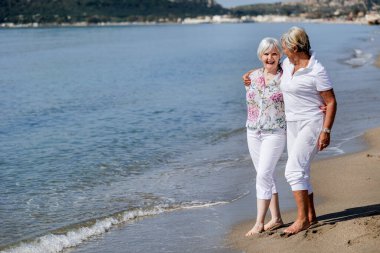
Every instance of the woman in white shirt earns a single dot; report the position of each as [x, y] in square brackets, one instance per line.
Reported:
[306, 87]
[266, 134]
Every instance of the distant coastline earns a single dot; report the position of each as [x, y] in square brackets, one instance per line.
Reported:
[216, 19]
[82, 13]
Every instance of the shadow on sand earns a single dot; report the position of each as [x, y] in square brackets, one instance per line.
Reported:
[351, 213]
[332, 218]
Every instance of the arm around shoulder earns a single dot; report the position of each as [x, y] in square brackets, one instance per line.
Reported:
[246, 79]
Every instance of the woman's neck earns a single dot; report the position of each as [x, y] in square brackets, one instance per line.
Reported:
[301, 60]
[269, 74]
[272, 71]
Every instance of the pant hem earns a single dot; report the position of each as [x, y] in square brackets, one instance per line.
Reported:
[300, 187]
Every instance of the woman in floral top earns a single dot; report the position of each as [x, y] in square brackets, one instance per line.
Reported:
[266, 131]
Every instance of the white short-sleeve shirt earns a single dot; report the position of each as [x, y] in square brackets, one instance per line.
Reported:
[301, 90]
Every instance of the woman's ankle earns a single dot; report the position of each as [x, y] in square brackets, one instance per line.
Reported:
[276, 219]
[259, 224]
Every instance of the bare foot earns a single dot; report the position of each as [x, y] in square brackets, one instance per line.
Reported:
[313, 221]
[297, 227]
[257, 228]
[273, 224]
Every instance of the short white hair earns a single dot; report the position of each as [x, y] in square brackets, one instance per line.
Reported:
[268, 43]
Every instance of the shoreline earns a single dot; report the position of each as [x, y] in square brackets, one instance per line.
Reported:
[191, 21]
[347, 206]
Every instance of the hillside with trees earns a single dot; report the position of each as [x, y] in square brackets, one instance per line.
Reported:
[269, 9]
[94, 11]
[311, 8]
[97, 11]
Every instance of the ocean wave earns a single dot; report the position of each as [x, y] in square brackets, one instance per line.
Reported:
[335, 151]
[73, 236]
[227, 134]
[359, 58]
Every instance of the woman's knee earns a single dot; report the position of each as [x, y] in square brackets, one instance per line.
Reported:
[294, 176]
[265, 177]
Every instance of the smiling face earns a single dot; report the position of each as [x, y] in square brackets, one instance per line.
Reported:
[270, 59]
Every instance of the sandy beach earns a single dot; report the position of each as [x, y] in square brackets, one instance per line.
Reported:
[348, 209]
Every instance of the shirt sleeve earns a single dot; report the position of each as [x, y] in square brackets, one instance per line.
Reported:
[322, 80]
[253, 75]
[285, 64]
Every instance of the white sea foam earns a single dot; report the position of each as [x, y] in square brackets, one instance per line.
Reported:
[359, 58]
[54, 243]
[203, 205]
[336, 151]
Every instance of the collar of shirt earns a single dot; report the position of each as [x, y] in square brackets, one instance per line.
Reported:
[309, 66]
[311, 63]
[276, 78]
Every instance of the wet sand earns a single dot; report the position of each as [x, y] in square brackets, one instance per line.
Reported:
[348, 209]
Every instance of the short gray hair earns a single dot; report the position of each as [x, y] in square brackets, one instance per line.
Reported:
[296, 37]
[268, 43]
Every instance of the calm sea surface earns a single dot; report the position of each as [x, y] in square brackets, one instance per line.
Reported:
[100, 127]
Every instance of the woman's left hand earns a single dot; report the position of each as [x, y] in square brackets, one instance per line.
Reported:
[323, 108]
[323, 141]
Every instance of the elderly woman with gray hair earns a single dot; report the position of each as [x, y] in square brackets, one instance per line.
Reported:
[266, 134]
[306, 88]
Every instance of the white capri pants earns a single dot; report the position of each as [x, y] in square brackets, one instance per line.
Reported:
[265, 149]
[302, 138]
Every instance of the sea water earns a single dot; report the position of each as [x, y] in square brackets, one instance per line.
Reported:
[139, 131]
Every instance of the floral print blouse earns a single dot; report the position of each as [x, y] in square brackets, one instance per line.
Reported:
[265, 103]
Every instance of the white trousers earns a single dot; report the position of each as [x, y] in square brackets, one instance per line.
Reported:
[265, 150]
[302, 138]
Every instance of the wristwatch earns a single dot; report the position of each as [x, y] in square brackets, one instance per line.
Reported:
[326, 130]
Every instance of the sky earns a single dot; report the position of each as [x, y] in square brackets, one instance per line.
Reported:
[232, 3]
